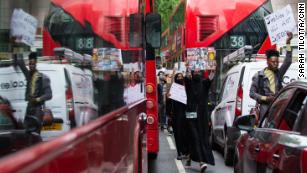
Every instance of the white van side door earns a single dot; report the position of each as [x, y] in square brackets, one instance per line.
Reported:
[82, 87]
[12, 87]
[226, 109]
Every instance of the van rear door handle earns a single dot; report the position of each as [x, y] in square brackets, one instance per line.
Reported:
[230, 101]
[79, 103]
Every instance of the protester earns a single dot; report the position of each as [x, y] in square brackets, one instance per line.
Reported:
[197, 89]
[38, 88]
[169, 103]
[162, 99]
[169, 114]
[110, 91]
[267, 82]
[179, 123]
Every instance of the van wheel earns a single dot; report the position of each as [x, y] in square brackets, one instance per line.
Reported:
[228, 155]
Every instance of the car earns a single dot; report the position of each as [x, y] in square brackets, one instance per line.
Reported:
[279, 143]
[234, 101]
[12, 136]
[72, 102]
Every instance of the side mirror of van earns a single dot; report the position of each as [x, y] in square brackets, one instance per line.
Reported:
[136, 34]
[245, 122]
[153, 30]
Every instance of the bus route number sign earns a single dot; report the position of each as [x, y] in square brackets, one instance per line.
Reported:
[237, 41]
[84, 43]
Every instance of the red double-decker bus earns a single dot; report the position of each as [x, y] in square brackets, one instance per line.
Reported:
[109, 27]
[222, 24]
[126, 130]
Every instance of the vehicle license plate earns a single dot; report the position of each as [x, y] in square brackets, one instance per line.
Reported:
[54, 126]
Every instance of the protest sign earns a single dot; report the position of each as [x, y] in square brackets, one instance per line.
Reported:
[109, 59]
[23, 27]
[180, 67]
[201, 58]
[279, 23]
[132, 67]
[178, 93]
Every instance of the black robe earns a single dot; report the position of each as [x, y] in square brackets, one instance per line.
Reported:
[179, 127]
[179, 122]
[198, 128]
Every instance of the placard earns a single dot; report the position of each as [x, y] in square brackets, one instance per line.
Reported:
[178, 93]
[23, 27]
[201, 58]
[279, 23]
[181, 67]
[109, 59]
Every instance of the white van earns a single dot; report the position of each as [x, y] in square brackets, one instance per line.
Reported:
[235, 101]
[72, 102]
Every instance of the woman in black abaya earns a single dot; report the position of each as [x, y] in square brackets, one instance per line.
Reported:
[179, 123]
[197, 88]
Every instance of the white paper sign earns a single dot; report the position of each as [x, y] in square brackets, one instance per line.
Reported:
[178, 93]
[279, 23]
[23, 27]
[181, 67]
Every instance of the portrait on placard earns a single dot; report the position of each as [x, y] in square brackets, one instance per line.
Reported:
[108, 59]
[201, 58]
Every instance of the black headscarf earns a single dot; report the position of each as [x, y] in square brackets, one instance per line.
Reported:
[181, 82]
[196, 85]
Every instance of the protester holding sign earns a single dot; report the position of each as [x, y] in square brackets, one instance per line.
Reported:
[178, 116]
[161, 90]
[267, 82]
[197, 89]
[38, 89]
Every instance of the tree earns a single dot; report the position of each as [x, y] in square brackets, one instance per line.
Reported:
[165, 8]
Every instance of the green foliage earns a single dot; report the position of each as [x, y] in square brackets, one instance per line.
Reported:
[177, 19]
[165, 8]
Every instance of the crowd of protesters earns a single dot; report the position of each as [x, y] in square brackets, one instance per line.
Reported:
[190, 120]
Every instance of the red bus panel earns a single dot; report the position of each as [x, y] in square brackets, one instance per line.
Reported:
[220, 15]
[152, 129]
[100, 16]
[107, 144]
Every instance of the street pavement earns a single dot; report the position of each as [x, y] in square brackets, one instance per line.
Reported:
[166, 161]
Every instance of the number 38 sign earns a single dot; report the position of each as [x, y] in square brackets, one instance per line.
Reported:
[237, 41]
